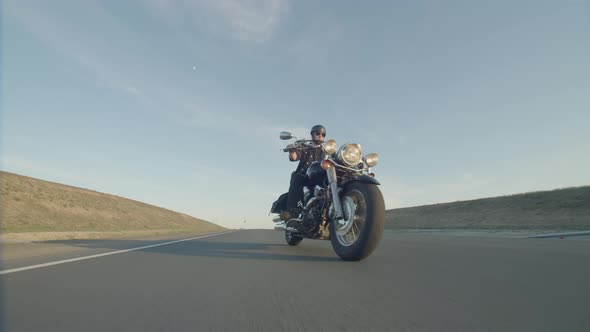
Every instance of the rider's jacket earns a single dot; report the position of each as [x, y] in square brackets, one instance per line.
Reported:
[306, 157]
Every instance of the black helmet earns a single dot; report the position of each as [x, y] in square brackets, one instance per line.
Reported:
[318, 129]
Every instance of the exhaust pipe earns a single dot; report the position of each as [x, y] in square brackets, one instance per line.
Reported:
[283, 227]
[280, 225]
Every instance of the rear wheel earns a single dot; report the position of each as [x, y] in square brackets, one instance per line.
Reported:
[291, 239]
[358, 233]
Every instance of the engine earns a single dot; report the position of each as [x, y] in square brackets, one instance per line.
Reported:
[313, 211]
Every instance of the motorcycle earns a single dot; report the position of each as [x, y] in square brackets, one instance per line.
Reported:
[341, 201]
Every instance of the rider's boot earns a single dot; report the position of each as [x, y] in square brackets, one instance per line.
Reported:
[293, 213]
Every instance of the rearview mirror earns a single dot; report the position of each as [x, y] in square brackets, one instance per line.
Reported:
[286, 135]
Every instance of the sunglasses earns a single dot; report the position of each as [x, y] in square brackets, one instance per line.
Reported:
[319, 134]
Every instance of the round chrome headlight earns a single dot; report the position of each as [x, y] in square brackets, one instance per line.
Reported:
[350, 154]
[372, 159]
[330, 146]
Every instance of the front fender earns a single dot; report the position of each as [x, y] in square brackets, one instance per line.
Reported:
[363, 178]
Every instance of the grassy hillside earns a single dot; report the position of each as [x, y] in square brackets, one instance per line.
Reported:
[33, 205]
[565, 209]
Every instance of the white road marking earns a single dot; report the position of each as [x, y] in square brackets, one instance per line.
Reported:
[37, 266]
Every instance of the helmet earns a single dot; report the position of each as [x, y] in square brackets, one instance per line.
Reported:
[318, 128]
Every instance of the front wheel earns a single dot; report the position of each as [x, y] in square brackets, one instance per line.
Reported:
[358, 233]
[291, 239]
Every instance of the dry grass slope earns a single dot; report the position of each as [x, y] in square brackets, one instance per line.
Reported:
[560, 209]
[33, 205]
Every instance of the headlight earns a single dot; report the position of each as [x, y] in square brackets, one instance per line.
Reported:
[330, 146]
[350, 154]
[372, 159]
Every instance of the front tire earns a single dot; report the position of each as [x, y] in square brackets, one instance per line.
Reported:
[291, 239]
[359, 233]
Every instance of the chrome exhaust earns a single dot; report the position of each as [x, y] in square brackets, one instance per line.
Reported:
[280, 225]
[283, 227]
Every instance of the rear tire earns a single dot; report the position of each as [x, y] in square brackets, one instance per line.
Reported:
[362, 233]
[291, 239]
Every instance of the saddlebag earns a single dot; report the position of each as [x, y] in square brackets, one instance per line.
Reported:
[280, 204]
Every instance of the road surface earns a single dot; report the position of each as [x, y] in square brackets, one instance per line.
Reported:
[250, 280]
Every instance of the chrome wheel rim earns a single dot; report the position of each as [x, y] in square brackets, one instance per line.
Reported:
[349, 228]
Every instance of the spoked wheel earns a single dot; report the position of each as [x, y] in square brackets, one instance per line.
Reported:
[358, 233]
[291, 239]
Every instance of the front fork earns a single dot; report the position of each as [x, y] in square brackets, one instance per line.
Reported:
[333, 181]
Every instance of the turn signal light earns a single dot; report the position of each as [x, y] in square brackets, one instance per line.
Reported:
[326, 164]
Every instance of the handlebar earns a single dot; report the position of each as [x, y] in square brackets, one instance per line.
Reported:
[301, 145]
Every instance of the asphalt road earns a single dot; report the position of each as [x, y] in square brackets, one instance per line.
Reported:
[252, 281]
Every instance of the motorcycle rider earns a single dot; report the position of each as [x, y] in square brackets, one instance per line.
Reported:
[298, 177]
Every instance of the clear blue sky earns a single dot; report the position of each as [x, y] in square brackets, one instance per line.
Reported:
[179, 103]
